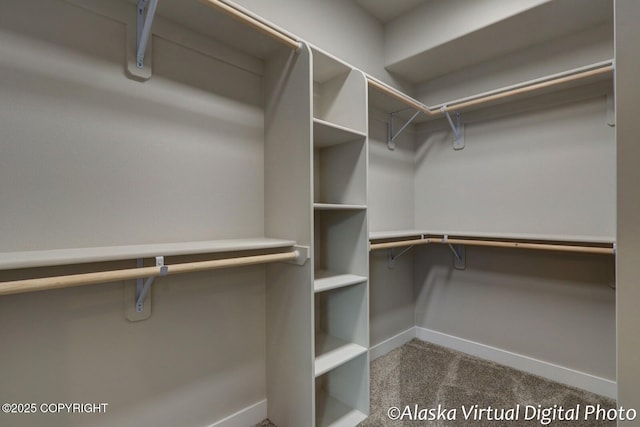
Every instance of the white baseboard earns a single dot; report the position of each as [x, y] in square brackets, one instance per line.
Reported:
[392, 343]
[561, 374]
[249, 416]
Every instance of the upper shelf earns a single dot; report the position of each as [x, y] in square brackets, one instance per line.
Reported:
[28, 259]
[439, 38]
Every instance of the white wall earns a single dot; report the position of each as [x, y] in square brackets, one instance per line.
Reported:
[199, 358]
[392, 299]
[111, 161]
[336, 26]
[546, 173]
[91, 158]
[391, 177]
[557, 308]
[391, 207]
[627, 95]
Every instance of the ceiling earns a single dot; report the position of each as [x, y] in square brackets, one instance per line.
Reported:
[388, 10]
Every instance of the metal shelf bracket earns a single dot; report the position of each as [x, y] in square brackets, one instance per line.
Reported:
[144, 286]
[391, 142]
[458, 128]
[144, 22]
[459, 254]
[393, 258]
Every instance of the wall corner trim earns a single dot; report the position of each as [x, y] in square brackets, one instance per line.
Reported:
[392, 343]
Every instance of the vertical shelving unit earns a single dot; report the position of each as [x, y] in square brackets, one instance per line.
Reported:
[288, 196]
[341, 261]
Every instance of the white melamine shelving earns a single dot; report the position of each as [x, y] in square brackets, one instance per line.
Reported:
[333, 413]
[339, 173]
[326, 134]
[333, 352]
[342, 394]
[327, 280]
[340, 250]
[27, 259]
[381, 235]
[337, 206]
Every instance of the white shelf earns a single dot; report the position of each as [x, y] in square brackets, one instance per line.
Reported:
[327, 280]
[27, 259]
[331, 412]
[598, 240]
[338, 207]
[333, 352]
[326, 134]
[379, 235]
[493, 39]
[525, 236]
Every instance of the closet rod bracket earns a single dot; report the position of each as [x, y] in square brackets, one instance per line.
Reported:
[393, 258]
[144, 22]
[303, 254]
[458, 129]
[391, 142]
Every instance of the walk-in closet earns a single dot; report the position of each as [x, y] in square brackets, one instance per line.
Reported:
[314, 213]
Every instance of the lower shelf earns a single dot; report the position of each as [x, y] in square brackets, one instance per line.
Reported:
[333, 352]
[330, 412]
[327, 280]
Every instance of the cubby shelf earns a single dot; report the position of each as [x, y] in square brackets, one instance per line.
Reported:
[379, 235]
[340, 153]
[41, 258]
[326, 134]
[338, 206]
[330, 412]
[327, 280]
[333, 352]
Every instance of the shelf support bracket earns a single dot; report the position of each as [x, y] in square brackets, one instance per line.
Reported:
[144, 22]
[459, 254]
[458, 129]
[144, 286]
[393, 258]
[391, 142]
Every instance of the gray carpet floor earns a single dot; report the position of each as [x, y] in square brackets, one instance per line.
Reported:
[426, 375]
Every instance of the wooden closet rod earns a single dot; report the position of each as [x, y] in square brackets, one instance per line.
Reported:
[495, 243]
[45, 283]
[254, 22]
[398, 244]
[459, 105]
[522, 245]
